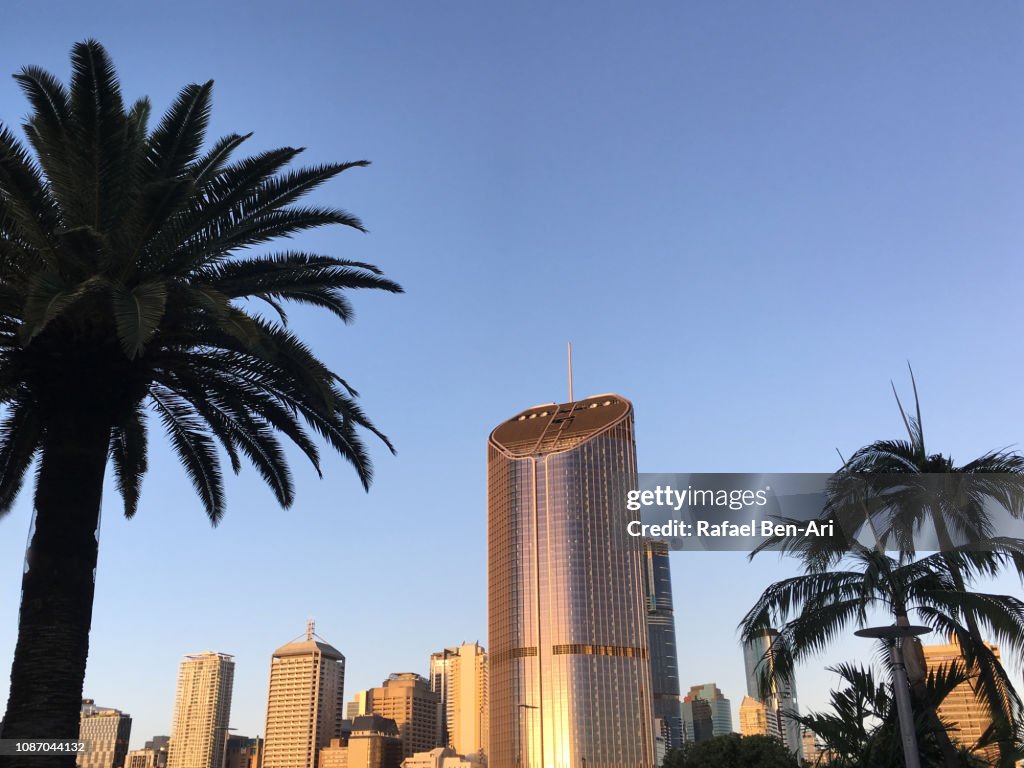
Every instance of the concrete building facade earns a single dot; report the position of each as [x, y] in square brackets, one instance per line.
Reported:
[107, 731]
[202, 711]
[305, 702]
[459, 676]
[406, 698]
[373, 742]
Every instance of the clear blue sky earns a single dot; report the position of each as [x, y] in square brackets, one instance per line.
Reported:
[746, 216]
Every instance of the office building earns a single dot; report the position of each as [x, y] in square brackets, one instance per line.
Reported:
[152, 755]
[812, 752]
[779, 698]
[241, 751]
[720, 710]
[406, 698]
[357, 706]
[440, 676]
[754, 718]
[459, 676]
[140, 758]
[304, 703]
[107, 731]
[373, 742]
[202, 710]
[967, 715]
[570, 675]
[697, 720]
[438, 757]
[661, 634]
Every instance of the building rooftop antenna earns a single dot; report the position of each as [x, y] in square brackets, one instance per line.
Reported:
[310, 626]
[570, 373]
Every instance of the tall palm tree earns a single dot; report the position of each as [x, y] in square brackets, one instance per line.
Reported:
[128, 289]
[813, 609]
[896, 489]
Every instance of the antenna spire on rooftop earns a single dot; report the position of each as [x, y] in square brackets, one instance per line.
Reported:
[570, 373]
[310, 626]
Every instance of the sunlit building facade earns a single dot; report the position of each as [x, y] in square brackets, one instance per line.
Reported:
[459, 676]
[373, 742]
[754, 718]
[570, 676]
[202, 710]
[305, 702]
[780, 696]
[406, 698]
[107, 731]
[967, 715]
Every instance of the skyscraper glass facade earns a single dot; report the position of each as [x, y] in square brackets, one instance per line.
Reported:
[661, 633]
[570, 681]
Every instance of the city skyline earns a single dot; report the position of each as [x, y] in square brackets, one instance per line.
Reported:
[785, 176]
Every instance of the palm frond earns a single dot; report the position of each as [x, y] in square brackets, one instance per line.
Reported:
[20, 436]
[128, 453]
[194, 448]
[138, 312]
[176, 142]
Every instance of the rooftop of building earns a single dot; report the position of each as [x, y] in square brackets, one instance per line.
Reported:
[309, 644]
[374, 724]
[309, 647]
[551, 428]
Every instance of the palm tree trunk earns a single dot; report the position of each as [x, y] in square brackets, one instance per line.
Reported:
[916, 677]
[57, 587]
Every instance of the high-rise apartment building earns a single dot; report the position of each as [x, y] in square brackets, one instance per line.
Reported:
[202, 710]
[459, 676]
[406, 698]
[661, 633]
[967, 715]
[780, 696]
[305, 703]
[107, 731]
[719, 706]
[570, 675]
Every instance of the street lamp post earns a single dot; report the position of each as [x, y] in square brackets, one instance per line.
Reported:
[894, 636]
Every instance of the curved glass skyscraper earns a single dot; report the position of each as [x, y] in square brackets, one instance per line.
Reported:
[570, 679]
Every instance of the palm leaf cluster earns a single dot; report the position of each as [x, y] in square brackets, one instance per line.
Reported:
[130, 280]
[815, 609]
[861, 729]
